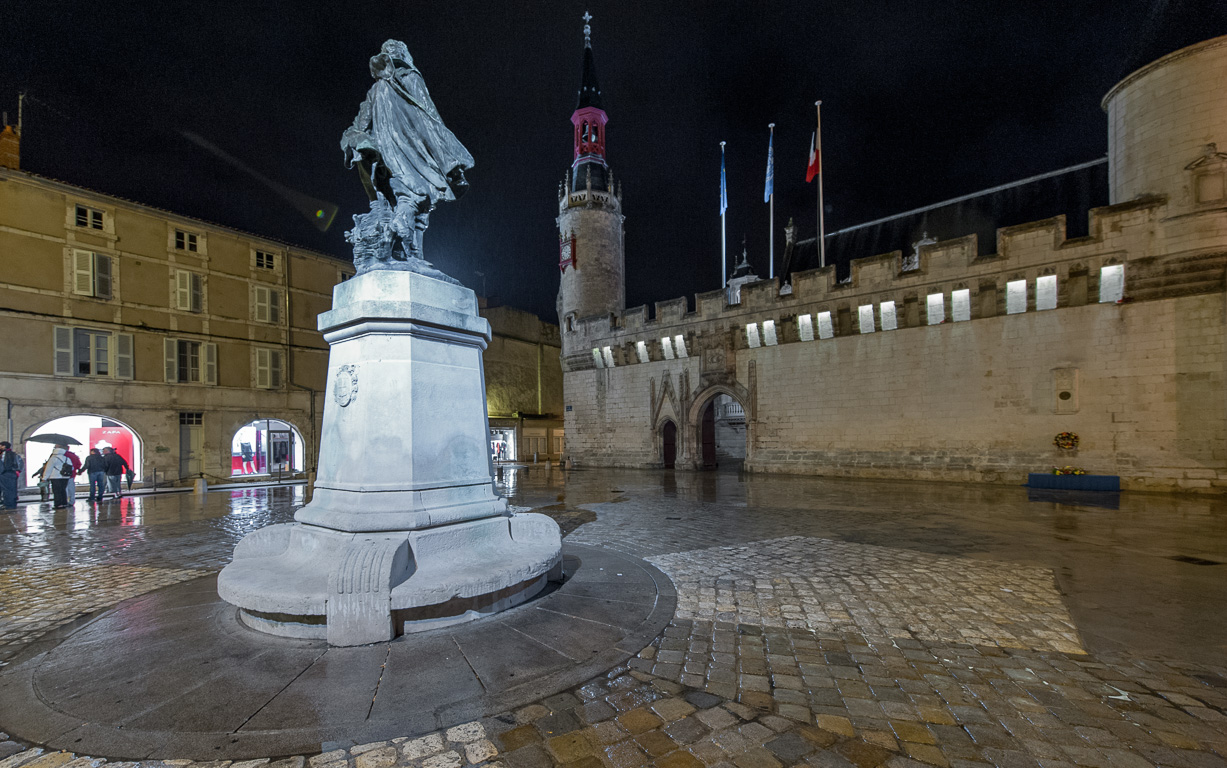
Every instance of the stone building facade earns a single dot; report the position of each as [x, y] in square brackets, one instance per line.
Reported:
[197, 344]
[178, 331]
[957, 366]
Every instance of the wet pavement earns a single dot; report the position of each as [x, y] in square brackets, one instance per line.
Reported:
[819, 622]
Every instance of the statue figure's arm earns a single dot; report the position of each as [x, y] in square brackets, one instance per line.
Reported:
[356, 138]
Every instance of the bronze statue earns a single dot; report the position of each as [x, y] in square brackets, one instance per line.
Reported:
[407, 159]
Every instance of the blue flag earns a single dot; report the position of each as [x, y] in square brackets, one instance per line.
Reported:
[724, 192]
[770, 171]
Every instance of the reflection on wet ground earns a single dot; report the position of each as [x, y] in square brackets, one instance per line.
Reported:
[956, 625]
[1150, 576]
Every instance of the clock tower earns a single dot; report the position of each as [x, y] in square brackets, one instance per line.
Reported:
[590, 243]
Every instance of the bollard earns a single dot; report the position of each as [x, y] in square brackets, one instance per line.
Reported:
[202, 486]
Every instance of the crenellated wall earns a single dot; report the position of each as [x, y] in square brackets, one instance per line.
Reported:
[977, 399]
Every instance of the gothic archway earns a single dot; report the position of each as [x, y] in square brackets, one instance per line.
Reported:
[719, 423]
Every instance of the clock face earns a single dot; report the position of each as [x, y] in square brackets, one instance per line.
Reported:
[566, 253]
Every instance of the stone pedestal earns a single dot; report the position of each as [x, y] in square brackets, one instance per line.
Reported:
[404, 531]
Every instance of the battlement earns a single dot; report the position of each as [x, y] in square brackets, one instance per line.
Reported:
[1035, 264]
[586, 198]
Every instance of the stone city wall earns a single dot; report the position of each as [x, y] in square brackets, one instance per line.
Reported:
[957, 400]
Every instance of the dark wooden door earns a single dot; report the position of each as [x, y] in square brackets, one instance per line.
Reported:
[709, 435]
[670, 438]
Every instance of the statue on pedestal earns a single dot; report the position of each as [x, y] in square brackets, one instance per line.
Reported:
[408, 161]
[405, 530]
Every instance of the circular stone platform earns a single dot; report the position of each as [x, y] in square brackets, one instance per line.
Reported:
[174, 674]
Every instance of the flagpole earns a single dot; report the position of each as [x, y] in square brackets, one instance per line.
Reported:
[771, 233]
[724, 259]
[822, 244]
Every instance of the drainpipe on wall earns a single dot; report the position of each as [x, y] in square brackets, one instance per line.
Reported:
[289, 363]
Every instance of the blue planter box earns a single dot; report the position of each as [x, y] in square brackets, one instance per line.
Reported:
[1073, 482]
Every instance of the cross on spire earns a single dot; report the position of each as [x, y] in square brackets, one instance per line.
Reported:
[587, 29]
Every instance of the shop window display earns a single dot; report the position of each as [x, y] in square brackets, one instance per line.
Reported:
[92, 432]
[502, 445]
[266, 447]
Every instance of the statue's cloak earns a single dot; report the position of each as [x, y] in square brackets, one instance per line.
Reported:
[401, 122]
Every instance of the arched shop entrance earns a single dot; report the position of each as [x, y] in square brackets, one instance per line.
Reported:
[266, 447]
[669, 444]
[722, 432]
[93, 432]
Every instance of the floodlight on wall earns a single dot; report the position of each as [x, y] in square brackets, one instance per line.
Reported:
[805, 327]
[607, 353]
[887, 312]
[597, 359]
[865, 316]
[769, 333]
[1111, 284]
[1016, 297]
[641, 349]
[960, 305]
[826, 330]
[935, 308]
[1046, 292]
[679, 345]
[752, 335]
[666, 347]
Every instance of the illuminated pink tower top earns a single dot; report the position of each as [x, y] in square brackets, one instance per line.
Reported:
[589, 121]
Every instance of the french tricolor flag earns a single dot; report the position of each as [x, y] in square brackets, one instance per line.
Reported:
[815, 158]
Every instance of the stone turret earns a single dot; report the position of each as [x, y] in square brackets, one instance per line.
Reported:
[591, 255]
[1166, 124]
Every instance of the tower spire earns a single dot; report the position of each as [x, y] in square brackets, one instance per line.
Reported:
[589, 88]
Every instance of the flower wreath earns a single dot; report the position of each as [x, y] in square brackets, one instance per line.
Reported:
[1068, 470]
[1066, 441]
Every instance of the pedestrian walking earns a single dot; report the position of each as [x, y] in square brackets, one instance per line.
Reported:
[11, 467]
[115, 466]
[71, 489]
[95, 471]
[57, 470]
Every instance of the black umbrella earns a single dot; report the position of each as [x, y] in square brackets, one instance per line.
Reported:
[54, 439]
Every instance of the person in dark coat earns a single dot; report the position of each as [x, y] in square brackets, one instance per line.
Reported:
[115, 467]
[10, 471]
[95, 471]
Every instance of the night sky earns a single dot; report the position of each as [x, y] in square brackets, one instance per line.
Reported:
[922, 101]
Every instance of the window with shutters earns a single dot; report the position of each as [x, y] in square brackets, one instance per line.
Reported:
[189, 291]
[267, 305]
[89, 352]
[186, 241]
[268, 368]
[91, 274]
[90, 218]
[190, 362]
[266, 260]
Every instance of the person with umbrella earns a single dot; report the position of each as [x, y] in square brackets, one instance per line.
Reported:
[58, 470]
[115, 466]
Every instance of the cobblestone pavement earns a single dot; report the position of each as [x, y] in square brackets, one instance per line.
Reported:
[819, 623]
